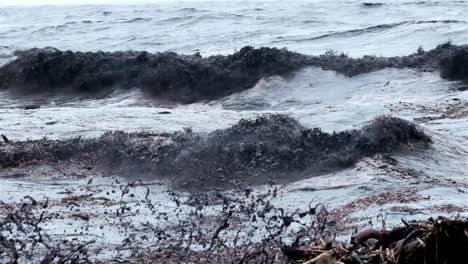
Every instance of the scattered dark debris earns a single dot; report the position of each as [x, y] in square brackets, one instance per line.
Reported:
[453, 108]
[343, 213]
[449, 208]
[370, 4]
[405, 209]
[83, 217]
[225, 240]
[22, 238]
[32, 107]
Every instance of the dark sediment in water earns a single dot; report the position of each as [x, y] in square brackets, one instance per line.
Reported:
[191, 78]
[269, 148]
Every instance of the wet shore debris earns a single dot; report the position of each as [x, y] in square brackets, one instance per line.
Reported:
[437, 240]
[301, 236]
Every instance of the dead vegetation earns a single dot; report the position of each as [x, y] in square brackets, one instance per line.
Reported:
[343, 213]
[454, 108]
[439, 240]
[23, 240]
[250, 230]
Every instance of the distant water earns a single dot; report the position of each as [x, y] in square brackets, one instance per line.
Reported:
[211, 27]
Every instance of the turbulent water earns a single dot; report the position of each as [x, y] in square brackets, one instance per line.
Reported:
[315, 97]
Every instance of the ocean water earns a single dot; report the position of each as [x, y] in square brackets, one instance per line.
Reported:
[213, 27]
[316, 97]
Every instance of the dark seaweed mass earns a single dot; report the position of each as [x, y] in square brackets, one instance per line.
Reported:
[455, 66]
[167, 75]
[190, 78]
[421, 60]
[369, 4]
[268, 148]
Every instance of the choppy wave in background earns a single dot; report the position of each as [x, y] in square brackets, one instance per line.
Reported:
[211, 27]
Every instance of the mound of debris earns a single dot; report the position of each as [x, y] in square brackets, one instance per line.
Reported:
[264, 149]
[433, 241]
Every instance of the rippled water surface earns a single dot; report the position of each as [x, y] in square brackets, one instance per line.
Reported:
[211, 27]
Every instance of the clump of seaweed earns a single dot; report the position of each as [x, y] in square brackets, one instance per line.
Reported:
[455, 66]
[256, 151]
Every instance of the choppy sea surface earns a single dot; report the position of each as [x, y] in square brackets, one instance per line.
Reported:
[316, 97]
[213, 27]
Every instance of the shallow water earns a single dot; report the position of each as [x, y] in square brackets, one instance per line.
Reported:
[317, 98]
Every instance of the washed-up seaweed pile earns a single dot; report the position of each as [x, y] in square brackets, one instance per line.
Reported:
[260, 150]
[169, 76]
